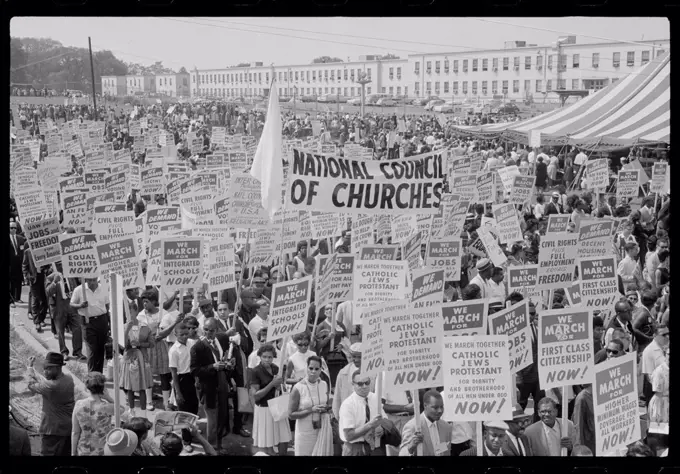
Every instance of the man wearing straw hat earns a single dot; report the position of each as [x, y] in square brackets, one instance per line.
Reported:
[495, 434]
[58, 401]
[120, 442]
[516, 442]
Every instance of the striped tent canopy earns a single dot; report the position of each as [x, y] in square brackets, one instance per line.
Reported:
[486, 130]
[635, 109]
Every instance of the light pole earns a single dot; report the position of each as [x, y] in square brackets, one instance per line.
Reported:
[363, 79]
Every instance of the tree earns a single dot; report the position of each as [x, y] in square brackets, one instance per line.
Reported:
[243, 65]
[142, 70]
[17, 58]
[326, 59]
[182, 70]
[389, 56]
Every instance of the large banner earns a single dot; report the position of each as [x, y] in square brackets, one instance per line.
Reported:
[79, 255]
[565, 347]
[556, 260]
[222, 268]
[465, 318]
[181, 263]
[514, 323]
[412, 348]
[477, 382]
[43, 238]
[377, 281]
[599, 282]
[615, 402]
[289, 308]
[333, 184]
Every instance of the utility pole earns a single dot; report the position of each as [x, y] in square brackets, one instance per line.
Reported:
[94, 94]
[363, 80]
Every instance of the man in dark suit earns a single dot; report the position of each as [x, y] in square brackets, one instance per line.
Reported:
[623, 320]
[527, 378]
[495, 434]
[516, 442]
[17, 245]
[554, 206]
[209, 366]
[545, 436]
[37, 298]
[58, 291]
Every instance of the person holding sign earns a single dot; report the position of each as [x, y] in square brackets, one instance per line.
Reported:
[495, 436]
[92, 303]
[485, 270]
[361, 418]
[432, 432]
[545, 436]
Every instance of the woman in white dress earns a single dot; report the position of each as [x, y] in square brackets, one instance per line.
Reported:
[658, 405]
[297, 362]
[310, 406]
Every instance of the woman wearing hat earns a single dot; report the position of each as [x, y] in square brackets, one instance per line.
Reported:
[120, 442]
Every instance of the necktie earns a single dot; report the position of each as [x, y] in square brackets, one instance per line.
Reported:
[409, 397]
[368, 411]
[14, 243]
[215, 350]
[533, 332]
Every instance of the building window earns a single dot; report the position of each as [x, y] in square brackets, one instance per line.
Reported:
[527, 62]
[494, 87]
[332, 75]
[344, 75]
[506, 64]
[616, 59]
[429, 67]
[548, 85]
[383, 90]
[596, 59]
[495, 64]
[326, 90]
[515, 63]
[368, 90]
[561, 84]
[313, 75]
[562, 58]
[645, 57]
[474, 65]
[325, 74]
[575, 60]
[391, 90]
[484, 83]
[474, 87]
[505, 87]
[368, 72]
[464, 87]
[398, 73]
[515, 87]
[455, 66]
[539, 85]
[417, 87]
[630, 58]
[171, 82]
[446, 66]
[417, 70]
[485, 64]
[527, 86]
[660, 52]
[550, 57]
[406, 91]
[615, 79]
[446, 87]
[465, 65]
[539, 61]
[428, 87]
[455, 87]
[436, 87]
[436, 66]
[398, 90]
[574, 84]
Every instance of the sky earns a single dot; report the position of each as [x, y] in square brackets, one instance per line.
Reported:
[220, 42]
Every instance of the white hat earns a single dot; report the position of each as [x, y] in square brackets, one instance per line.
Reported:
[501, 425]
[355, 348]
[120, 442]
[483, 264]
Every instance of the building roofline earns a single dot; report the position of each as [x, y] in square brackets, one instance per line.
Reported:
[374, 61]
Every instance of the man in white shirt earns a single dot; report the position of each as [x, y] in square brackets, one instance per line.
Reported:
[345, 316]
[343, 383]
[484, 269]
[183, 382]
[256, 324]
[496, 285]
[629, 268]
[361, 418]
[580, 159]
[92, 303]
[653, 356]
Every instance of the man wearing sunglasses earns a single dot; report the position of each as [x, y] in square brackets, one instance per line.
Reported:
[360, 416]
[16, 257]
[615, 349]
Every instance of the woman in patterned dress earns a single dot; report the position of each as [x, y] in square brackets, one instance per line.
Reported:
[159, 360]
[659, 404]
[92, 418]
[135, 370]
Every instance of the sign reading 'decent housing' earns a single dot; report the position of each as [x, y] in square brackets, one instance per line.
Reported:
[334, 184]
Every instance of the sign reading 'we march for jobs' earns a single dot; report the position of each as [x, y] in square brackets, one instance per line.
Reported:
[289, 308]
[465, 318]
[514, 323]
[565, 347]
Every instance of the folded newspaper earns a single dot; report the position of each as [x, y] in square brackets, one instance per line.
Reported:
[167, 421]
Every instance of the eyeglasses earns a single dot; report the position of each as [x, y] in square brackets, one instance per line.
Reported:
[612, 351]
[667, 335]
[362, 384]
[13, 227]
[546, 412]
[303, 344]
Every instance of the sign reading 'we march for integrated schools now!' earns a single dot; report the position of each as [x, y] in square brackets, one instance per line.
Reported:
[181, 263]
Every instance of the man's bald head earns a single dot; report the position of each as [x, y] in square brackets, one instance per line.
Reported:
[622, 309]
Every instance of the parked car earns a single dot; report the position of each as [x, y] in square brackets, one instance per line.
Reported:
[400, 99]
[308, 98]
[386, 102]
[425, 100]
[446, 108]
[431, 104]
[507, 109]
[354, 101]
[284, 98]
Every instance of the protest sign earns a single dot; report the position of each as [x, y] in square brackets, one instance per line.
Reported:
[507, 175]
[334, 184]
[43, 238]
[477, 382]
[94, 180]
[153, 267]
[377, 281]
[152, 181]
[118, 184]
[264, 250]
[157, 217]
[181, 262]
[325, 224]
[341, 279]
[140, 236]
[556, 260]
[465, 318]
[412, 347]
[362, 232]
[379, 252]
[615, 404]
[372, 361]
[411, 251]
[245, 203]
[557, 223]
[289, 308]
[31, 205]
[522, 187]
[425, 226]
[445, 253]
[485, 187]
[453, 217]
[635, 164]
[120, 257]
[75, 210]
[26, 178]
[493, 250]
[222, 269]
[573, 294]
[427, 288]
[383, 228]
[461, 165]
[599, 282]
[70, 183]
[465, 186]
[289, 220]
[79, 255]
[595, 238]
[597, 172]
[522, 278]
[111, 223]
[403, 226]
[507, 223]
[565, 347]
[628, 184]
[659, 171]
[514, 322]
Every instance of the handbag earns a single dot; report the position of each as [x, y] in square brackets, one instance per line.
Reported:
[278, 406]
[245, 404]
[335, 426]
[391, 435]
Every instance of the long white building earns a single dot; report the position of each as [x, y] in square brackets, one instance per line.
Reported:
[518, 72]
